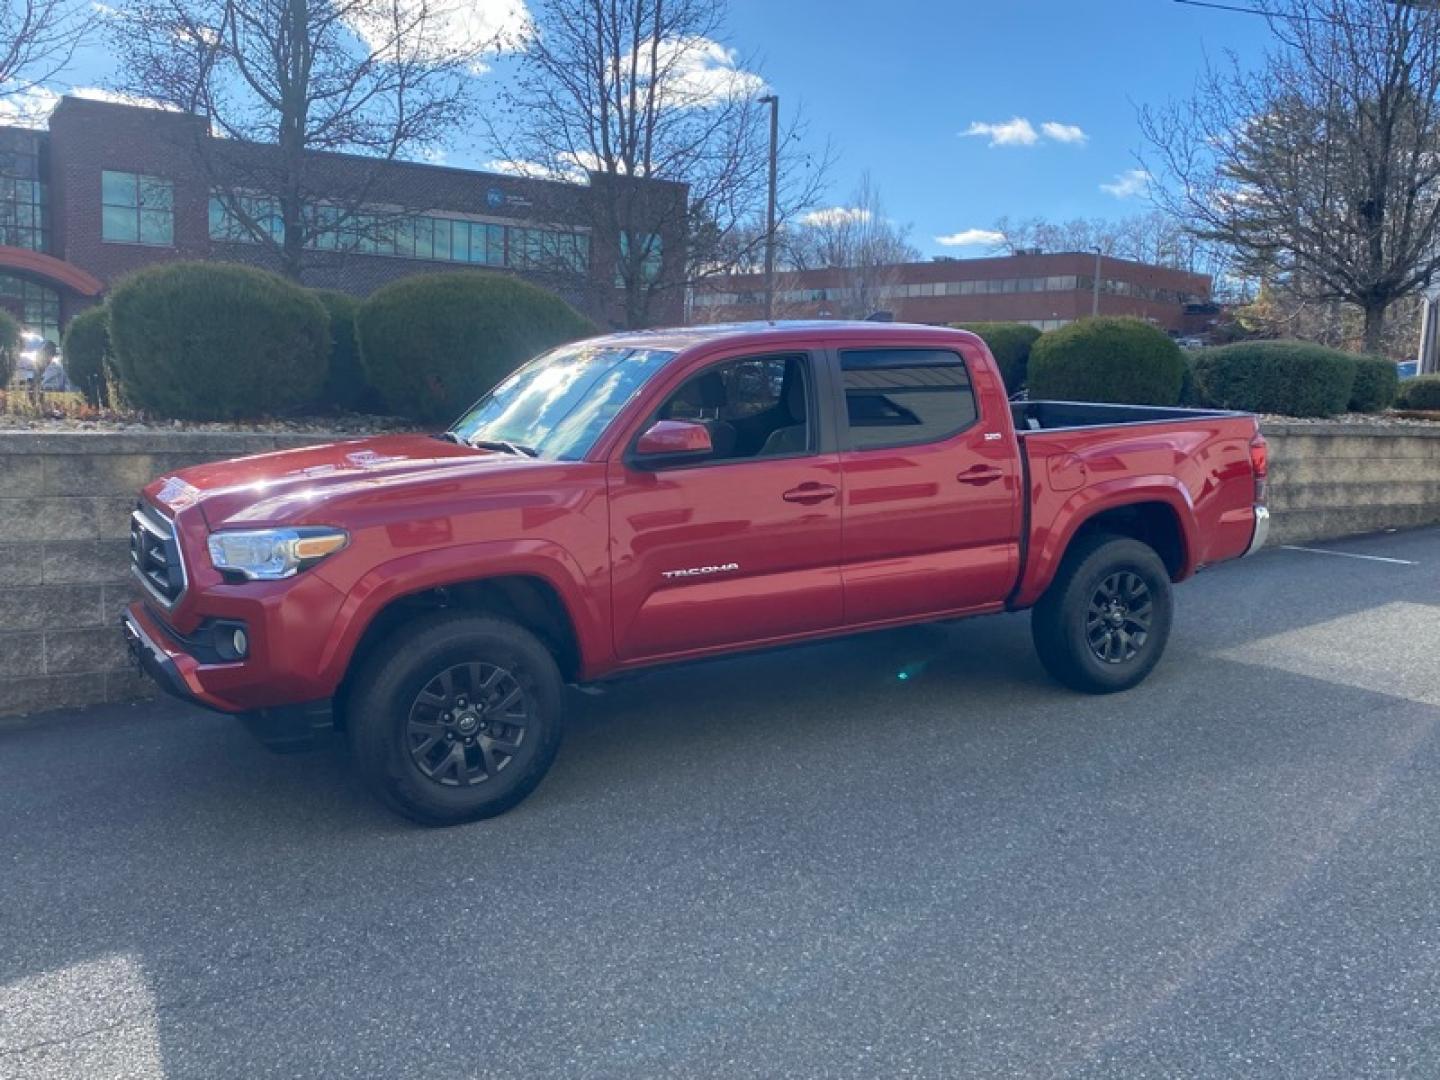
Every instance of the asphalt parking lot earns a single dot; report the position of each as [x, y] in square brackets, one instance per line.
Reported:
[901, 855]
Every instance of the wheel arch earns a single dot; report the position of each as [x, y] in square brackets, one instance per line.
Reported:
[528, 600]
[1159, 515]
[1153, 523]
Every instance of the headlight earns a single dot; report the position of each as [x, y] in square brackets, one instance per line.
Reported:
[271, 554]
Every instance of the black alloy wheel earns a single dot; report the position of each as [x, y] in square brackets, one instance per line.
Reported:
[467, 724]
[456, 717]
[1117, 624]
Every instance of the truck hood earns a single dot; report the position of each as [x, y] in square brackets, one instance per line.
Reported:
[290, 485]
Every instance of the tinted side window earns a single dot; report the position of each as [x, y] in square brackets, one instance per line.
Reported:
[901, 397]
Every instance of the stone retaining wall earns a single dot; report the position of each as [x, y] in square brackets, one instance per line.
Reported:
[65, 502]
[1331, 480]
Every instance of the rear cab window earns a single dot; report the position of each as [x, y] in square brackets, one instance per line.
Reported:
[905, 396]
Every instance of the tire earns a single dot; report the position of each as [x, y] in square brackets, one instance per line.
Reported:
[458, 720]
[1108, 647]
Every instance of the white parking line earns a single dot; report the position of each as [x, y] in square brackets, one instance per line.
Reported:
[1349, 555]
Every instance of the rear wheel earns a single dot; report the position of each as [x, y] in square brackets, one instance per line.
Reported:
[459, 721]
[1103, 624]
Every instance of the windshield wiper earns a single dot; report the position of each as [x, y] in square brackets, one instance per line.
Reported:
[505, 445]
[450, 436]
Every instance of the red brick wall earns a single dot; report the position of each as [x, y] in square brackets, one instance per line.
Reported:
[87, 137]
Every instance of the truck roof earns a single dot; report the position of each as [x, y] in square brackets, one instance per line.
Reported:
[684, 337]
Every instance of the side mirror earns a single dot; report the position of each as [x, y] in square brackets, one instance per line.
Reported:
[672, 440]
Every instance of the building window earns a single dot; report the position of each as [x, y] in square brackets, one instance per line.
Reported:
[137, 209]
[228, 217]
[650, 259]
[409, 236]
[38, 306]
[24, 220]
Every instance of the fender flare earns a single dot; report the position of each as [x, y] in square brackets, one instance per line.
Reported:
[433, 569]
[1086, 504]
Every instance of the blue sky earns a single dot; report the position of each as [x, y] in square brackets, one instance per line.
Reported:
[896, 83]
[896, 86]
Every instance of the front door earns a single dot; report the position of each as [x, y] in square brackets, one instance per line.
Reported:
[743, 545]
[932, 494]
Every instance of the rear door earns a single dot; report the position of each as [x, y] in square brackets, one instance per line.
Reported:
[932, 492]
[744, 545]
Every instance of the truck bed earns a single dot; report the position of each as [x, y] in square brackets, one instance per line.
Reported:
[1064, 415]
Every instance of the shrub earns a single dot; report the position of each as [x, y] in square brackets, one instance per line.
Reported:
[1010, 344]
[86, 351]
[9, 347]
[345, 387]
[211, 341]
[1107, 359]
[1377, 380]
[433, 343]
[1422, 392]
[1291, 378]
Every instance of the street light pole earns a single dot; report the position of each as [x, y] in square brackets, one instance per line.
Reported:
[1095, 301]
[774, 102]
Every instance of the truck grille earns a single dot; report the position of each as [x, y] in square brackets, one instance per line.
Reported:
[155, 555]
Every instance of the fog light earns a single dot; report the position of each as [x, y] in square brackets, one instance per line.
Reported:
[240, 643]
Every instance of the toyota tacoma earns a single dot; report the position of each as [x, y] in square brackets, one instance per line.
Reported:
[662, 496]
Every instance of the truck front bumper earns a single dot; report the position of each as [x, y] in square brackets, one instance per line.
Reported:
[284, 729]
[1262, 530]
[154, 661]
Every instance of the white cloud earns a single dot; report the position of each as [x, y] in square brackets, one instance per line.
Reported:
[32, 107]
[1016, 132]
[700, 71]
[462, 28]
[1065, 133]
[511, 167]
[836, 215]
[99, 93]
[1128, 184]
[575, 167]
[971, 238]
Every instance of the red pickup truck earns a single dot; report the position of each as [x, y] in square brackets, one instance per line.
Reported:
[668, 495]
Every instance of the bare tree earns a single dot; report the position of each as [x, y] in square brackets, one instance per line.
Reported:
[37, 39]
[1321, 169]
[646, 90]
[279, 80]
[860, 241]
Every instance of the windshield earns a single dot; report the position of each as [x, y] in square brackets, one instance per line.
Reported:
[557, 405]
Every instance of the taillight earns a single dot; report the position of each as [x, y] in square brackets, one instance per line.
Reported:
[1260, 466]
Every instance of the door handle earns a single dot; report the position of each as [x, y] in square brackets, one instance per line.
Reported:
[810, 493]
[980, 474]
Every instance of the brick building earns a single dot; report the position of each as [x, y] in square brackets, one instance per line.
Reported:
[107, 189]
[1047, 291]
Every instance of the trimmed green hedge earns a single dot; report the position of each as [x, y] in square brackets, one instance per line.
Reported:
[433, 343]
[1189, 396]
[1421, 392]
[1125, 361]
[1010, 343]
[214, 341]
[86, 350]
[9, 347]
[345, 386]
[1290, 378]
[1377, 381]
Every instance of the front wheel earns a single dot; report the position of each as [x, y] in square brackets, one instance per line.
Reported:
[1103, 624]
[459, 721]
